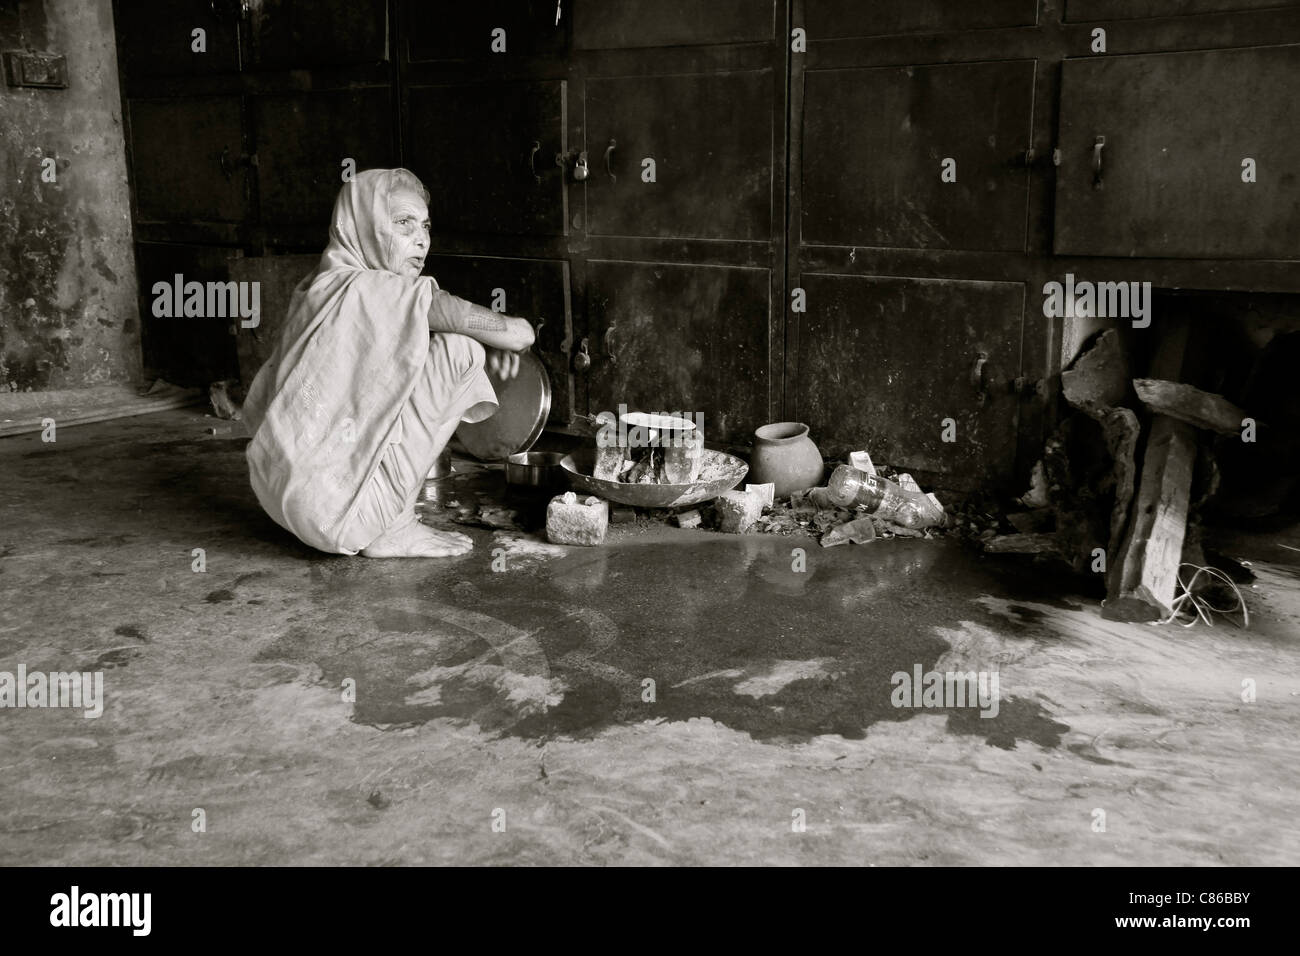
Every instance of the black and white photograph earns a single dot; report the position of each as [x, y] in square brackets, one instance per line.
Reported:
[651, 433]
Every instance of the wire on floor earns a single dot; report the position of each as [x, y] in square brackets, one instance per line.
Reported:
[1193, 600]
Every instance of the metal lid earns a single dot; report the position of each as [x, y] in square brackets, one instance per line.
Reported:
[525, 403]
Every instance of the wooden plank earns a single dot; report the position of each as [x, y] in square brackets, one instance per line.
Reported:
[1190, 404]
[1144, 575]
[1144, 581]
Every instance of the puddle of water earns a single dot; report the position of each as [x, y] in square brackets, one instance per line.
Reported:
[725, 628]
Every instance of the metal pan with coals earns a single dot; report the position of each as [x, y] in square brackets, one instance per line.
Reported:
[720, 473]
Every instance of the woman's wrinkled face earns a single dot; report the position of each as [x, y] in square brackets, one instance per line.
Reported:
[410, 233]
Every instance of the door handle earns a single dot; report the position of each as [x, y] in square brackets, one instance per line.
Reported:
[1096, 161]
[609, 345]
[532, 161]
[609, 152]
[979, 373]
[228, 168]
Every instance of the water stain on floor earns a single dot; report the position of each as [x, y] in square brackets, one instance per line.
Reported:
[722, 628]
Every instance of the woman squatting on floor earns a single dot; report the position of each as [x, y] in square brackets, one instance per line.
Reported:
[374, 369]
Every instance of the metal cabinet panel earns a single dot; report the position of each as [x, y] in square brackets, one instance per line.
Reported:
[474, 147]
[186, 154]
[713, 178]
[156, 42]
[455, 30]
[187, 351]
[1077, 10]
[875, 141]
[852, 18]
[688, 338]
[882, 362]
[287, 34]
[302, 140]
[534, 289]
[276, 278]
[652, 23]
[1177, 129]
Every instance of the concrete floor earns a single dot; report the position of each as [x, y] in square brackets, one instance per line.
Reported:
[515, 697]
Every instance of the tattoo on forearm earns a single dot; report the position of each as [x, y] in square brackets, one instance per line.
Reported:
[486, 322]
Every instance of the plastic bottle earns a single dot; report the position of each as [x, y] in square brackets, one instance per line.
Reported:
[850, 488]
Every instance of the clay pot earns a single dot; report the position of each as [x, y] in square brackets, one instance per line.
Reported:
[784, 455]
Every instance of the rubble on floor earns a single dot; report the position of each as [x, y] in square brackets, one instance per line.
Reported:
[1126, 479]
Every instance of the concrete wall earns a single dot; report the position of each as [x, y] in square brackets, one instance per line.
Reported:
[68, 307]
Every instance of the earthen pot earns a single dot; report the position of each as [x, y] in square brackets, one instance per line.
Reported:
[784, 455]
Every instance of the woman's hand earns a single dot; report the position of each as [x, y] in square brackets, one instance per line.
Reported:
[503, 364]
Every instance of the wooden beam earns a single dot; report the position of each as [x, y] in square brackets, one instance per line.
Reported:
[1187, 403]
[1144, 580]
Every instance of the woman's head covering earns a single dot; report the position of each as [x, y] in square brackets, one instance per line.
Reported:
[326, 402]
[361, 226]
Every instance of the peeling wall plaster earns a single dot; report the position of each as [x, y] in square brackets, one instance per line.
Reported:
[68, 307]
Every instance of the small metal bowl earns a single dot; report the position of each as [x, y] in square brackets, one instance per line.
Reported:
[537, 471]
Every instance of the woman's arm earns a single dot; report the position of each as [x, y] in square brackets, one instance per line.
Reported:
[450, 313]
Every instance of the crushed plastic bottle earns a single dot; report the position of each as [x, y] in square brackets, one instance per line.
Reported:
[879, 496]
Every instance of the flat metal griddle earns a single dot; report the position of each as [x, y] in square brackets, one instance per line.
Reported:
[525, 403]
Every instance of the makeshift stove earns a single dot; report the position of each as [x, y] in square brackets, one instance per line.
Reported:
[651, 460]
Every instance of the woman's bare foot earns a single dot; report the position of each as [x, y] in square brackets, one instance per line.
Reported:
[411, 539]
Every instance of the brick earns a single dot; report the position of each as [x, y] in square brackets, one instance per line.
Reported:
[576, 522]
[737, 511]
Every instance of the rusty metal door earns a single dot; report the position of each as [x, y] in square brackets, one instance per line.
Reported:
[300, 34]
[896, 167]
[876, 142]
[167, 42]
[1181, 155]
[916, 371]
[450, 30]
[487, 151]
[304, 140]
[678, 224]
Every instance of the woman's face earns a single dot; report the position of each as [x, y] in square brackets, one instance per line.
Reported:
[410, 233]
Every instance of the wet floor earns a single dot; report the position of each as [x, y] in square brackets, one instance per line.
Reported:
[735, 673]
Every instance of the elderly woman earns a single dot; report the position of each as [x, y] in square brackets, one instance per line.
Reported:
[374, 369]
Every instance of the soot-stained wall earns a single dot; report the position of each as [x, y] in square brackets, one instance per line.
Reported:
[68, 308]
